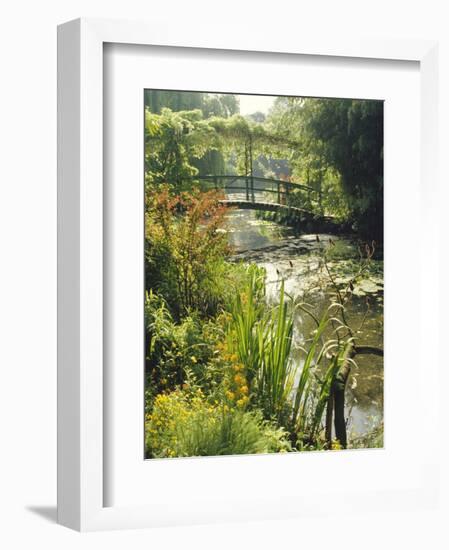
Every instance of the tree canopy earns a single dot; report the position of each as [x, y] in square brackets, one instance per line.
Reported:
[341, 140]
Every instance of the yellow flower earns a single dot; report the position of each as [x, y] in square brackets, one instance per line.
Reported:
[336, 445]
[244, 390]
[230, 394]
[242, 402]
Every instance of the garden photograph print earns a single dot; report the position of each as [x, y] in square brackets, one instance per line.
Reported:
[263, 302]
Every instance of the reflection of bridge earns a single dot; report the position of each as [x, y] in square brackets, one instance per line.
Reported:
[256, 193]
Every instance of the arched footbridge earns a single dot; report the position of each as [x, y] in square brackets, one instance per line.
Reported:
[268, 194]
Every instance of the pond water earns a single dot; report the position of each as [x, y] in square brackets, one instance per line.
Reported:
[294, 258]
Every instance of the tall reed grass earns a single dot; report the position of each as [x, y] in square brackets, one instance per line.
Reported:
[262, 338]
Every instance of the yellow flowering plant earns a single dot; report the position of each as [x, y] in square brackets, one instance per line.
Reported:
[185, 423]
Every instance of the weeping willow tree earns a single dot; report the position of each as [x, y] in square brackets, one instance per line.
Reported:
[341, 152]
[173, 141]
[210, 105]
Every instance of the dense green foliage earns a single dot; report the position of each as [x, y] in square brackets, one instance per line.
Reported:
[223, 105]
[177, 145]
[171, 118]
[185, 423]
[185, 250]
[341, 153]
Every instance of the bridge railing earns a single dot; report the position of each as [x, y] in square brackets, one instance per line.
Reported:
[255, 188]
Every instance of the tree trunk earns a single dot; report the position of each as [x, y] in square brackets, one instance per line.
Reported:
[338, 390]
[340, 422]
[329, 417]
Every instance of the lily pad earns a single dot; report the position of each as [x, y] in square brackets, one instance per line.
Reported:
[368, 286]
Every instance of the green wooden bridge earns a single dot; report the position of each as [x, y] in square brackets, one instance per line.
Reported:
[258, 193]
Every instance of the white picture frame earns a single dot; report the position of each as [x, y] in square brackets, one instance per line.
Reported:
[81, 475]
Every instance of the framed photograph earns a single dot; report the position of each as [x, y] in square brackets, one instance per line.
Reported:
[242, 278]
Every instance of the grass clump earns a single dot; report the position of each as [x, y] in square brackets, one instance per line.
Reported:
[184, 423]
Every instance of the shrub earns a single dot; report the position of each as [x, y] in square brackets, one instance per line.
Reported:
[184, 423]
[186, 248]
[176, 351]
